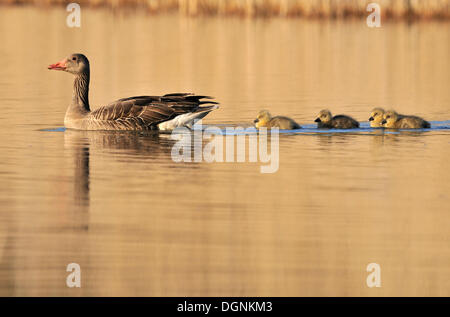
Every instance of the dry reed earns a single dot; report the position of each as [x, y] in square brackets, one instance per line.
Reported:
[393, 9]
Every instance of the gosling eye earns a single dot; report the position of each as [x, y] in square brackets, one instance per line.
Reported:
[387, 117]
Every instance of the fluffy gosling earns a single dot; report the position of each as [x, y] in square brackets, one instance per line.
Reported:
[264, 119]
[393, 120]
[326, 120]
[376, 117]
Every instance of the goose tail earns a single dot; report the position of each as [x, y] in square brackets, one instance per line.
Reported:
[188, 119]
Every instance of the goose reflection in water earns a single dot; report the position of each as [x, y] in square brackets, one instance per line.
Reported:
[88, 146]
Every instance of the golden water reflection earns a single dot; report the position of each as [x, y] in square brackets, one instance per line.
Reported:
[139, 223]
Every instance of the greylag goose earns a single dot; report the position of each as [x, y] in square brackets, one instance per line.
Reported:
[265, 119]
[393, 120]
[134, 113]
[326, 120]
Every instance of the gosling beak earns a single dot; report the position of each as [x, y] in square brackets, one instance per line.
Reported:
[371, 119]
[255, 121]
[383, 122]
[59, 66]
[317, 120]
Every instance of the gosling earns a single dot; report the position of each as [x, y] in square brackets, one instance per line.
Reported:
[376, 117]
[392, 120]
[326, 120]
[265, 119]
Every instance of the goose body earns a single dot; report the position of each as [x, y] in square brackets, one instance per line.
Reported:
[265, 119]
[139, 113]
[392, 120]
[327, 121]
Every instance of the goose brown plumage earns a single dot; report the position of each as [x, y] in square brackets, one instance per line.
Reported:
[134, 113]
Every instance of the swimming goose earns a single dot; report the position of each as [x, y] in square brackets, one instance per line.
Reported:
[326, 120]
[265, 119]
[376, 116]
[393, 120]
[134, 113]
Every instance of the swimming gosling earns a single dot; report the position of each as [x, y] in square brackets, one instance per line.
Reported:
[265, 119]
[376, 117]
[393, 120]
[326, 120]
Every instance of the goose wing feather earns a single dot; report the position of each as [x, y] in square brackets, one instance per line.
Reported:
[149, 110]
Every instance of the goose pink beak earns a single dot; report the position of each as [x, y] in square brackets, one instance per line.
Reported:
[59, 66]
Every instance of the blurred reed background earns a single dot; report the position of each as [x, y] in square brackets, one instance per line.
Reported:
[392, 9]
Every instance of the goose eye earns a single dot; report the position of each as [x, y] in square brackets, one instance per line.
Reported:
[74, 58]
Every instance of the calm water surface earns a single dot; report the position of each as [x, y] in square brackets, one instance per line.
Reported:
[140, 224]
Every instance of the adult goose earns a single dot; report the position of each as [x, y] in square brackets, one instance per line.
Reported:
[134, 113]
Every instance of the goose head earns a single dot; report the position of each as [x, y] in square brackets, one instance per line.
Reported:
[76, 64]
[389, 118]
[324, 116]
[262, 119]
[376, 117]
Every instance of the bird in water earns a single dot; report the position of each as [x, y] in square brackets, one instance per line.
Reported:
[376, 117]
[326, 120]
[265, 119]
[139, 113]
[392, 120]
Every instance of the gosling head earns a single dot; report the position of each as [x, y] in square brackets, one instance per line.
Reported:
[324, 116]
[75, 64]
[262, 119]
[389, 119]
[376, 117]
